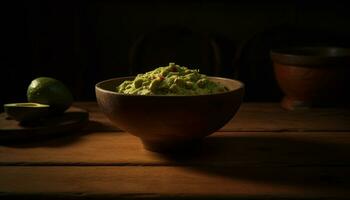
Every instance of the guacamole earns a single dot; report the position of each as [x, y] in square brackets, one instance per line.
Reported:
[171, 80]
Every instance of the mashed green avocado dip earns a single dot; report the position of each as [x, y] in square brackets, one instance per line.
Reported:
[171, 80]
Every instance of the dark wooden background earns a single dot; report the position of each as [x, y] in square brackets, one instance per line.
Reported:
[83, 42]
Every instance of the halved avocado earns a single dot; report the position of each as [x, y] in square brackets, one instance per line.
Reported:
[26, 111]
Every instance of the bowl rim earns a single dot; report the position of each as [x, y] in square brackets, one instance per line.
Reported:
[26, 105]
[287, 56]
[97, 87]
[288, 51]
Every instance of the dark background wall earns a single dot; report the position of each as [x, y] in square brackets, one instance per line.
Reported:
[83, 42]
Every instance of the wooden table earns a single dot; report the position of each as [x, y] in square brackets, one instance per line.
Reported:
[263, 153]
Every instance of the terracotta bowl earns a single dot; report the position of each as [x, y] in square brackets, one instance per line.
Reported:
[169, 123]
[312, 76]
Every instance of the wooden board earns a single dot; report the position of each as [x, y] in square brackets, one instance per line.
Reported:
[256, 117]
[98, 121]
[72, 120]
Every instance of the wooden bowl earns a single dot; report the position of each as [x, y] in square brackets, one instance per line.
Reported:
[169, 123]
[312, 76]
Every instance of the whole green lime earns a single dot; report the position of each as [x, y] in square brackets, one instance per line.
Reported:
[46, 90]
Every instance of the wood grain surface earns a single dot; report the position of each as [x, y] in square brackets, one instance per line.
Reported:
[263, 153]
[256, 117]
[181, 182]
[220, 149]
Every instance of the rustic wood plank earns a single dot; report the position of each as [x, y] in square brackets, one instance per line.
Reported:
[181, 182]
[303, 154]
[257, 117]
[222, 148]
[271, 117]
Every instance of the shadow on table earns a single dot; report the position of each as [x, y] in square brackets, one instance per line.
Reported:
[54, 139]
[279, 160]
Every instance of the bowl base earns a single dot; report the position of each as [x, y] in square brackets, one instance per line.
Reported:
[293, 104]
[161, 146]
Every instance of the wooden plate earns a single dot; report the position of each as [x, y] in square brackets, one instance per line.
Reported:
[72, 120]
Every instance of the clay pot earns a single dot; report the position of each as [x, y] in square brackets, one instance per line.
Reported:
[312, 76]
